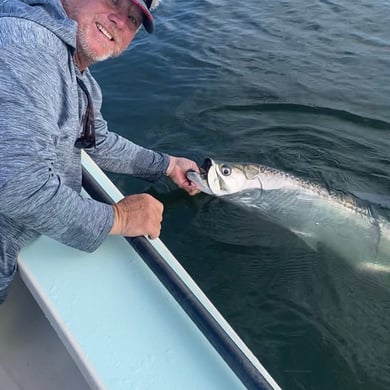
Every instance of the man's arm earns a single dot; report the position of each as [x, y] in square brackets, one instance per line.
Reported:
[114, 153]
[32, 193]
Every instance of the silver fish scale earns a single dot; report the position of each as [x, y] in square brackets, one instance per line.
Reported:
[364, 237]
[348, 201]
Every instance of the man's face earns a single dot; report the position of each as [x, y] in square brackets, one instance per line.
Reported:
[105, 27]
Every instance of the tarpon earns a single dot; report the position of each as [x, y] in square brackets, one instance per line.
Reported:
[338, 221]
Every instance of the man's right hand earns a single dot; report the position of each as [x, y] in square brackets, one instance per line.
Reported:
[138, 215]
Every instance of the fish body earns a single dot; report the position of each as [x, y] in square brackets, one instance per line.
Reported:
[319, 217]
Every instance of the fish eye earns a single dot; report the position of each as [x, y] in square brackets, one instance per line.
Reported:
[226, 170]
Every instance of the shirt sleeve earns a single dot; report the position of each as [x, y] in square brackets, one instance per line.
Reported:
[32, 193]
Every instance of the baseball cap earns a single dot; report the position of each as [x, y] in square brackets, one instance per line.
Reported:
[148, 18]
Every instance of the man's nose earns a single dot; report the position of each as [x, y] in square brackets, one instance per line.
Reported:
[119, 18]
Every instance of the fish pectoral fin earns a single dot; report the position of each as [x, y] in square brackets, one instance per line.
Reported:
[247, 197]
[309, 239]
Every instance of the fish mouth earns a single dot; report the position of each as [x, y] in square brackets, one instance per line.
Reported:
[207, 164]
[201, 179]
[204, 169]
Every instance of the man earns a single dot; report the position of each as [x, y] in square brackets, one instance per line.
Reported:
[50, 110]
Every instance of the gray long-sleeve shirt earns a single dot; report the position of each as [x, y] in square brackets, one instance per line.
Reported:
[41, 108]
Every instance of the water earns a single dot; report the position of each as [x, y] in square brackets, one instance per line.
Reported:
[300, 86]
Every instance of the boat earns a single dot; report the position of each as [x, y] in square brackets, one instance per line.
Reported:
[127, 316]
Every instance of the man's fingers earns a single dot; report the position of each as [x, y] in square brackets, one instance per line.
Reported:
[137, 215]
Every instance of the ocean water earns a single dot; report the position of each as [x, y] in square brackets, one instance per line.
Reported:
[300, 86]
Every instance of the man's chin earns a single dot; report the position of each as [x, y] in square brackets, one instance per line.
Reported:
[97, 54]
[101, 57]
[105, 55]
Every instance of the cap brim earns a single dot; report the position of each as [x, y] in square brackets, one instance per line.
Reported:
[148, 18]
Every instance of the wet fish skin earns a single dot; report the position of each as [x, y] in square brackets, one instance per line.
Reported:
[316, 215]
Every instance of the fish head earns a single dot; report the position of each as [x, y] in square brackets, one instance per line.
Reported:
[224, 178]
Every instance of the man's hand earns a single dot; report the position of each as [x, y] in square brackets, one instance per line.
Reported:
[177, 170]
[138, 215]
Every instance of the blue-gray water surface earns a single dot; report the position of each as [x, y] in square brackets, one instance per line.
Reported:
[300, 86]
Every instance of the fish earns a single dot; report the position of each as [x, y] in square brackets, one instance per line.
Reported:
[320, 217]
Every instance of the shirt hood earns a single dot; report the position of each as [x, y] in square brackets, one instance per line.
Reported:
[47, 13]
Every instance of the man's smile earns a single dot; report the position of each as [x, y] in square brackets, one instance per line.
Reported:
[104, 31]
